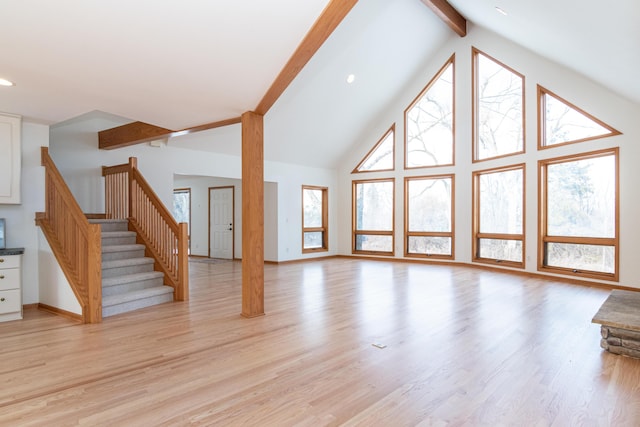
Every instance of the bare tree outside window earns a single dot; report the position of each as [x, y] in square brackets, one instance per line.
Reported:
[564, 123]
[580, 215]
[499, 215]
[499, 110]
[182, 208]
[373, 207]
[429, 122]
[429, 216]
[381, 157]
[314, 218]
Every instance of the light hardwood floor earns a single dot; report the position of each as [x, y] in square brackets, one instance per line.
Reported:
[464, 346]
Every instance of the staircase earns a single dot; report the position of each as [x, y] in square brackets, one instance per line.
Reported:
[129, 281]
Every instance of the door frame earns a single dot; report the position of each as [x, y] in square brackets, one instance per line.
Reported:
[233, 216]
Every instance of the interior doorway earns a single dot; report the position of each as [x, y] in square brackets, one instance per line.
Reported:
[221, 224]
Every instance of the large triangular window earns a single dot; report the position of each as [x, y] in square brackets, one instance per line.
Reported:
[381, 157]
[563, 123]
[498, 108]
[429, 122]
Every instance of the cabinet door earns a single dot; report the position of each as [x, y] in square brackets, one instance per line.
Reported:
[9, 159]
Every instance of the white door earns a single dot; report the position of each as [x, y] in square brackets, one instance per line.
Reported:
[221, 222]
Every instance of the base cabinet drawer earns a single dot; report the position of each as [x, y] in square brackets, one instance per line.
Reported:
[9, 261]
[9, 279]
[10, 301]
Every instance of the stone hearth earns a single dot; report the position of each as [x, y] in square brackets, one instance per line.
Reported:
[619, 316]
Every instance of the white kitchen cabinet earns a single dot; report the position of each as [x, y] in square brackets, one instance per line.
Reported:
[10, 158]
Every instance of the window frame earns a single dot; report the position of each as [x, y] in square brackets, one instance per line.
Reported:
[476, 109]
[355, 232]
[542, 121]
[408, 233]
[477, 235]
[451, 61]
[324, 229]
[392, 129]
[544, 238]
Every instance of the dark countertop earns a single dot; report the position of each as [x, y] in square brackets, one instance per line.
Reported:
[11, 251]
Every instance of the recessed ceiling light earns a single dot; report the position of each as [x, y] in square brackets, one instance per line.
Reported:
[501, 11]
[351, 78]
[5, 82]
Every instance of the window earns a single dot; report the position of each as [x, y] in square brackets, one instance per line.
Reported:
[429, 216]
[382, 155]
[498, 216]
[498, 109]
[429, 122]
[579, 215]
[373, 216]
[315, 218]
[182, 207]
[564, 123]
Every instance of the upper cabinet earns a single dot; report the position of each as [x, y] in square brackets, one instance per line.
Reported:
[10, 157]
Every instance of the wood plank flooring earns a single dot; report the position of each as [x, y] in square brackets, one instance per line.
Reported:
[464, 346]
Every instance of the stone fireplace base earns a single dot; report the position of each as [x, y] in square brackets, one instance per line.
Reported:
[619, 316]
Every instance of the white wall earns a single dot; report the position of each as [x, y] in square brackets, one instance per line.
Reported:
[199, 186]
[20, 219]
[55, 290]
[74, 149]
[591, 97]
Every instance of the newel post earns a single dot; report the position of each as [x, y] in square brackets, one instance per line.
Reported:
[93, 310]
[182, 291]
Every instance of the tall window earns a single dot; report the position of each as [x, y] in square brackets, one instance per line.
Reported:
[498, 108]
[563, 123]
[429, 216]
[579, 215]
[382, 155]
[429, 122]
[315, 218]
[498, 215]
[373, 216]
[182, 207]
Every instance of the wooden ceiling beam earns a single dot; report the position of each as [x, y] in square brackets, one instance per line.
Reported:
[330, 18]
[139, 132]
[449, 15]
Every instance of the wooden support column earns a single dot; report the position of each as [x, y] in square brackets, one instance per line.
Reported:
[252, 215]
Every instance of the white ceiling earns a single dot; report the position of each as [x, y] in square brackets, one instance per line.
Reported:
[600, 40]
[170, 63]
[179, 64]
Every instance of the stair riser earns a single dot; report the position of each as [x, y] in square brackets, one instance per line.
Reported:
[130, 269]
[129, 240]
[131, 286]
[114, 226]
[135, 305]
[112, 256]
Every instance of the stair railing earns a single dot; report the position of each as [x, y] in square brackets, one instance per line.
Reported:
[74, 241]
[128, 195]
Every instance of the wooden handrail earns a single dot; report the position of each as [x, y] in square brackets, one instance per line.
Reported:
[74, 241]
[128, 195]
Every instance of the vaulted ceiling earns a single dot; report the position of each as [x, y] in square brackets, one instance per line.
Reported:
[182, 64]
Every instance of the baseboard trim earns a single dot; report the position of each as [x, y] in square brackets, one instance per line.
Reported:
[299, 260]
[60, 312]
